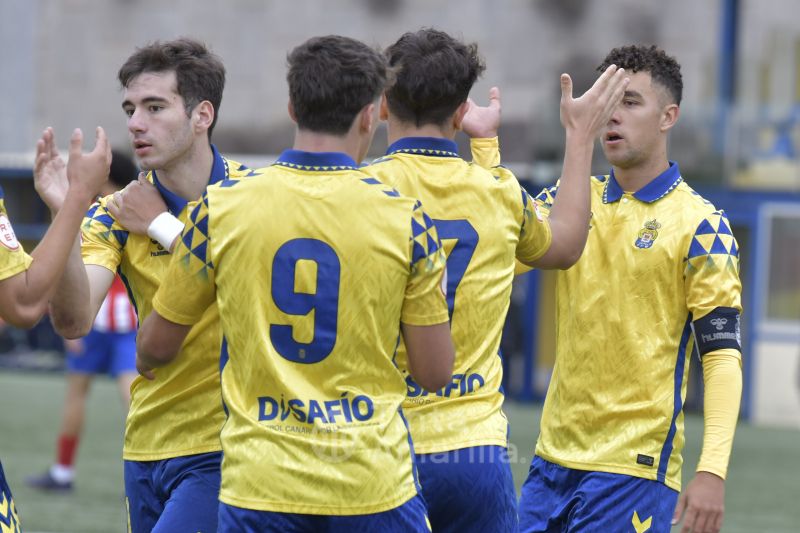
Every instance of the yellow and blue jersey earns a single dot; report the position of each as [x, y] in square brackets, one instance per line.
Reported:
[13, 258]
[485, 220]
[657, 281]
[313, 266]
[9, 518]
[180, 412]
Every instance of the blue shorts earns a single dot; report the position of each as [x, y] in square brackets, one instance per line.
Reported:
[471, 489]
[105, 353]
[9, 519]
[177, 494]
[407, 518]
[557, 499]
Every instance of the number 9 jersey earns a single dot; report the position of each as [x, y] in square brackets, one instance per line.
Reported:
[313, 265]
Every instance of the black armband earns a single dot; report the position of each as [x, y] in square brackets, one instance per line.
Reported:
[717, 330]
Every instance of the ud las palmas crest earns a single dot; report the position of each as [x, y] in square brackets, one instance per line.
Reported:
[648, 234]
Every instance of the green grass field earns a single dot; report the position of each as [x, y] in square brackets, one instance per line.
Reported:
[763, 493]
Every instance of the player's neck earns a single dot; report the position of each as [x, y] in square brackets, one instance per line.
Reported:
[397, 130]
[188, 175]
[310, 141]
[632, 179]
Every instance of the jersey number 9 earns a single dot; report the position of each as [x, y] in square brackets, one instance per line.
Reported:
[324, 302]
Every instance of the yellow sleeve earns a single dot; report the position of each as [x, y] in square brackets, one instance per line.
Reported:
[722, 378]
[535, 235]
[485, 152]
[424, 303]
[103, 239]
[712, 286]
[188, 287]
[13, 258]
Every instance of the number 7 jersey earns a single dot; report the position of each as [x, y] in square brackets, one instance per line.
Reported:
[484, 220]
[313, 265]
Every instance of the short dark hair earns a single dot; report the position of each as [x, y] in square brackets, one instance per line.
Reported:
[331, 79]
[663, 69]
[200, 73]
[123, 170]
[433, 75]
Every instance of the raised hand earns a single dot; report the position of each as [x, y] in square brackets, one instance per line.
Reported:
[87, 173]
[50, 172]
[483, 122]
[592, 111]
[137, 205]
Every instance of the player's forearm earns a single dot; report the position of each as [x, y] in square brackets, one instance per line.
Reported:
[569, 216]
[70, 306]
[159, 340]
[722, 377]
[50, 256]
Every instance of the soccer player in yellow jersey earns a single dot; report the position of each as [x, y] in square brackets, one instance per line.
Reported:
[172, 92]
[316, 267]
[28, 281]
[485, 220]
[657, 285]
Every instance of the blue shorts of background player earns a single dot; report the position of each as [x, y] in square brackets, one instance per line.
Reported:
[469, 490]
[555, 499]
[104, 353]
[407, 518]
[173, 495]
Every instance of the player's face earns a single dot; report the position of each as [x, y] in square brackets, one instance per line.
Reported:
[161, 131]
[634, 133]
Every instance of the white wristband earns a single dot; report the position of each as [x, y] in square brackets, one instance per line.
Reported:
[165, 228]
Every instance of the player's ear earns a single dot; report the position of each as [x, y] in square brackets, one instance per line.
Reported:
[203, 115]
[669, 116]
[367, 118]
[384, 113]
[290, 108]
[458, 116]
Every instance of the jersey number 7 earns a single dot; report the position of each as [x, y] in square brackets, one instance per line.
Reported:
[457, 262]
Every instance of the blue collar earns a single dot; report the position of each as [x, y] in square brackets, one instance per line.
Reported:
[653, 191]
[175, 203]
[435, 146]
[316, 161]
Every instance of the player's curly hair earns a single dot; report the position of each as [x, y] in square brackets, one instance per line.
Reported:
[663, 69]
[434, 74]
[331, 79]
[200, 73]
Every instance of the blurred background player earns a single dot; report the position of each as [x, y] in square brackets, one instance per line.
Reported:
[485, 220]
[315, 439]
[657, 282]
[109, 348]
[28, 281]
[172, 91]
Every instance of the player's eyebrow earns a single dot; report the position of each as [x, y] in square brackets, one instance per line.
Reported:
[146, 100]
[633, 94]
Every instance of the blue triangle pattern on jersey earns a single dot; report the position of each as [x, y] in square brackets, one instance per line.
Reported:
[724, 228]
[696, 249]
[200, 251]
[705, 229]
[717, 247]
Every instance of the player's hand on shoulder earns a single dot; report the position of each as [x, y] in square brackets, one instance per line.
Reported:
[87, 172]
[481, 122]
[589, 113]
[701, 504]
[50, 172]
[137, 205]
